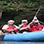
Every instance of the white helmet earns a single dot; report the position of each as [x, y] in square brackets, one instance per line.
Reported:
[24, 21]
[11, 21]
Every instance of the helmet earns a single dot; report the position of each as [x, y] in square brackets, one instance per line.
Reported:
[24, 21]
[11, 21]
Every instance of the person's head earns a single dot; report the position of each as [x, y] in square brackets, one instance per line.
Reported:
[36, 22]
[11, 22]
[24, 21]
[35, 19]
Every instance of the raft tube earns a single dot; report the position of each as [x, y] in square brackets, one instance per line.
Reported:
[30, 36]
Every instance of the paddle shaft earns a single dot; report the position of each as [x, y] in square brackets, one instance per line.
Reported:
[41, 22]
[38, 10]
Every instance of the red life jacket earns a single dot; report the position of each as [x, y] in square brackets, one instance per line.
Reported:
[23, 27]
[28, 29]
[36, 28]
[11, 27]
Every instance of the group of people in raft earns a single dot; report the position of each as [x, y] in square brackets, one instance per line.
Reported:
[24, 27]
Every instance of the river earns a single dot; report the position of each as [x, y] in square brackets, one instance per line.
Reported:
[21, 42]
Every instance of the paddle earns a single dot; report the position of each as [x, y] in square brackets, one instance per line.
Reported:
[41, 22]
[38, 11]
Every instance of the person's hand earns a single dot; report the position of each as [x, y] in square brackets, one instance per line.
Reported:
[21, 29]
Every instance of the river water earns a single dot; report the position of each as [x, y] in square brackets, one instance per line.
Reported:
[21, 42]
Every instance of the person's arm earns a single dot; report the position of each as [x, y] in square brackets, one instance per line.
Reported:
[30, 23]
[25, 27]
[21, 25]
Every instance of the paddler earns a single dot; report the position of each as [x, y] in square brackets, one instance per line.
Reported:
[23, 26]
[10, 27]
[35, 25]
[23, 22]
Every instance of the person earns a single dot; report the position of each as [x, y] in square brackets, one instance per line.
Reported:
[35, 19]
[35, 25]
[10, 27]
[24, 22]
[24, 26]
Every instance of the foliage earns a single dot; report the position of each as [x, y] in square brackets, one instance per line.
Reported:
[19, 9]
[17, 4]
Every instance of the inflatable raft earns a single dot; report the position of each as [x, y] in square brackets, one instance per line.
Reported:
[30, 36]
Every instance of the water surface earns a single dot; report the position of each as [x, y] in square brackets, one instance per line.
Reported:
[21, 42]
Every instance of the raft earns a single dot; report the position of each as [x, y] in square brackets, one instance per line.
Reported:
[30, 36]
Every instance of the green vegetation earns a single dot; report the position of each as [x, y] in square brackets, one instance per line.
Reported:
[20, 9]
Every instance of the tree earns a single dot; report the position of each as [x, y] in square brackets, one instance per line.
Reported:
[18, 9]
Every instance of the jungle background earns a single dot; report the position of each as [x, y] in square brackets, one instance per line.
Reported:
[20, 9]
